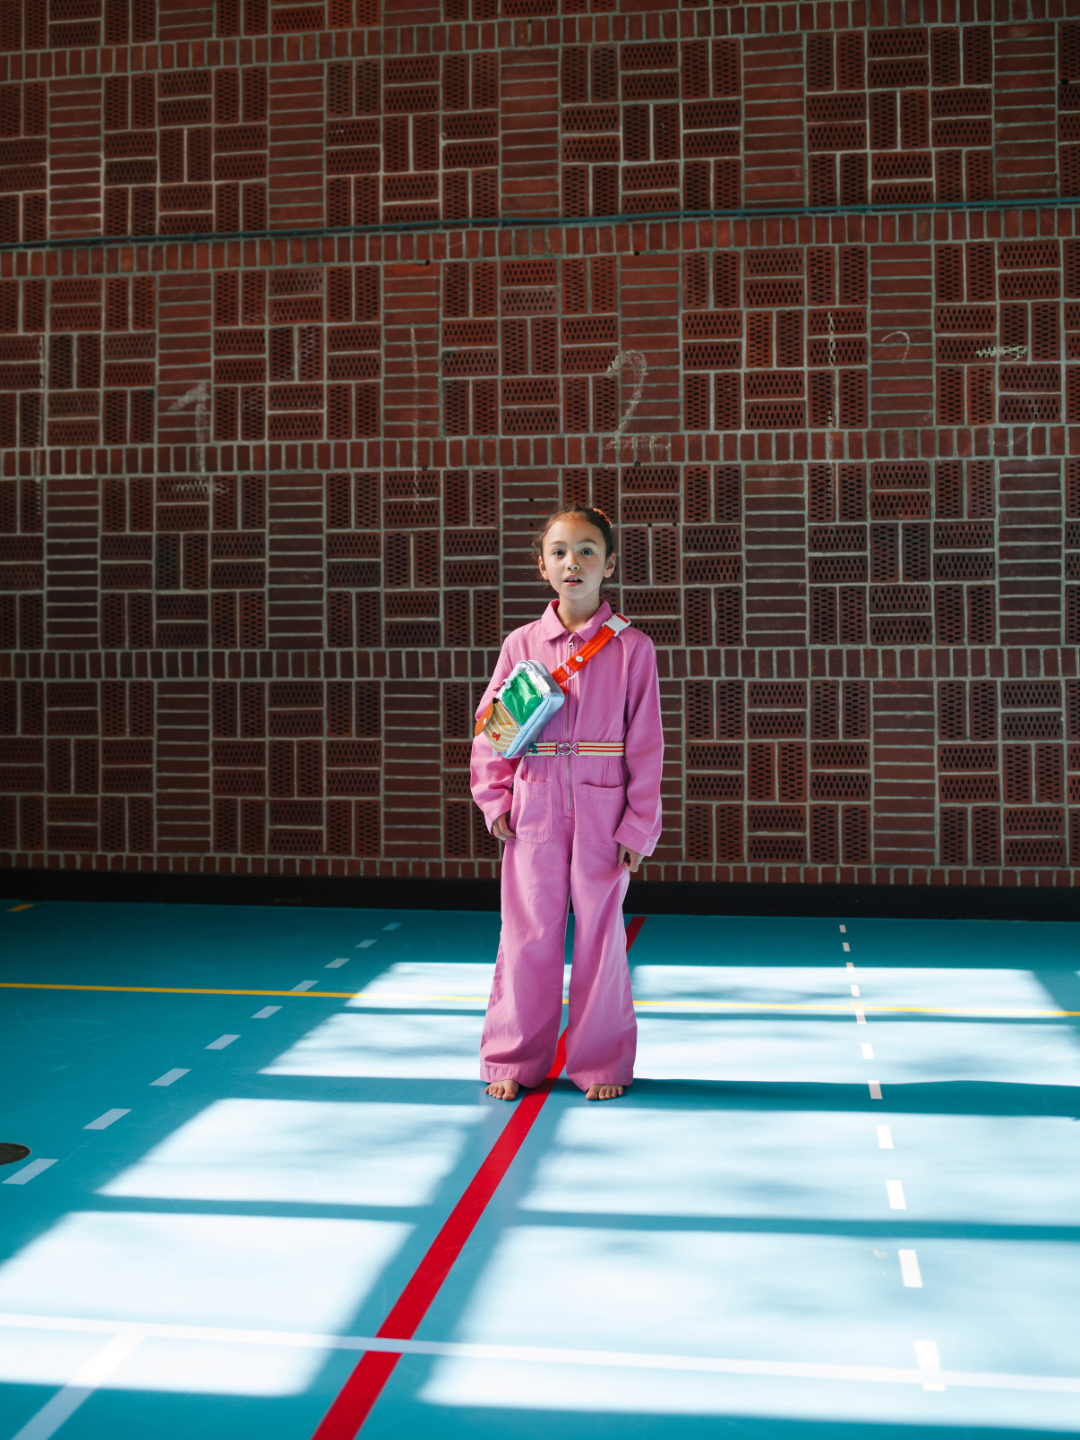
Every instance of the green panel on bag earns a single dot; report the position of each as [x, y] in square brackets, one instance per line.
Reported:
[521, 696]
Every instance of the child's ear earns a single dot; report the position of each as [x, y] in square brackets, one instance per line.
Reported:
[609, 568]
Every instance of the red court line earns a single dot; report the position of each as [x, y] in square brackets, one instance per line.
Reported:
[364, 1386]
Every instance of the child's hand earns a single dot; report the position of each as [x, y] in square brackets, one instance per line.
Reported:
[630, 858]
[501, 829]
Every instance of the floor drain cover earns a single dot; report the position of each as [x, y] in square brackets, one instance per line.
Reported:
[10, 1153]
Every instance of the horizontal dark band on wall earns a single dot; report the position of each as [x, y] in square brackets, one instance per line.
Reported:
[539, 222]
[909, 902]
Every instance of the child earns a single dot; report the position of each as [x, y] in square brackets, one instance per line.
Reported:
[573, 827]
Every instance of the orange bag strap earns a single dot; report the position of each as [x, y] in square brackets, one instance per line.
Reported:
[607, 631]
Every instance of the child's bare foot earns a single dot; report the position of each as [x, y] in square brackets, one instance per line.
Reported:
[503, 1089]
[603, 1092]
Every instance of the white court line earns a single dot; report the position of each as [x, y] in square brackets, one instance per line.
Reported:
[850, 964]
[884, 1137]
[867, 1052]
[304, 985]
[843, 929]
[860, 1014]
[896, 1195]
[222, 1041]
[909, 1270]
[266, 1012]
[875, 1090]
[28, 1172]
[366, 944]
[787, 1369]
[170, 1077]
[855, 990]
[337, 964]
[66, 1401]
[845, 944]
[104, 1121]
[394, 925]
[929, 1362]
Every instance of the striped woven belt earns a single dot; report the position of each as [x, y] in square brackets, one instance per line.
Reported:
[577, 747]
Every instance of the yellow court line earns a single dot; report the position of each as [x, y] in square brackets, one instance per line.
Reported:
[843, 1008]
[176, 990]
[16, 908]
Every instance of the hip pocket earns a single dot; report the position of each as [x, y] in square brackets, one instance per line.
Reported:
[599, 810]
[530, 812]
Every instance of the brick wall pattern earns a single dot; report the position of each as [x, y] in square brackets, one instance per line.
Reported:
[308, 314]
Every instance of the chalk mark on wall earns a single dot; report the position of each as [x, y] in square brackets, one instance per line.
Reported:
[197, 399]
[636, 360]
[892, 335]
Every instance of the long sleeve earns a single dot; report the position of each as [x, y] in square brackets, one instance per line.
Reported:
[492, 777]
[642, 819]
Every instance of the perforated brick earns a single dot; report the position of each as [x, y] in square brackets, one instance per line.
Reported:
[837, 537]
[776, 724]
[1031, 726]
[840, 757]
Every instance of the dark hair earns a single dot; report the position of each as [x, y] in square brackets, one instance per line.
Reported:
[592, 517]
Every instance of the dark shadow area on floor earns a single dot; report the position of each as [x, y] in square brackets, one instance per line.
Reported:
[464, 1423]
[932, 1097]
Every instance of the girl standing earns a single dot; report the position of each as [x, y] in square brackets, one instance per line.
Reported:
[574, 824]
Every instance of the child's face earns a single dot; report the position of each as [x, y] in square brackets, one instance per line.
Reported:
[574, 562]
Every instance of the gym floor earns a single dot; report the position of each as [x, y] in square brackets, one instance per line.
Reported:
[840, 1199]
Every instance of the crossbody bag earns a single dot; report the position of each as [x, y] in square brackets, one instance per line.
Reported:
[531, 694]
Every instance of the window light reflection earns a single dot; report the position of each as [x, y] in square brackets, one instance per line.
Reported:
[320, 1152]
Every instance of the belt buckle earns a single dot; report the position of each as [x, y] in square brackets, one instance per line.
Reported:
[566, 747]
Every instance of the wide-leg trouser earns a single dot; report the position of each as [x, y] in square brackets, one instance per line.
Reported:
[555, 858]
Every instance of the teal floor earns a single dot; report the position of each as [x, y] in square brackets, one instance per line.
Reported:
[794, 1225]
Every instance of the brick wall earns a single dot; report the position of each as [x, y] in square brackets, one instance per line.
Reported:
[308, 315]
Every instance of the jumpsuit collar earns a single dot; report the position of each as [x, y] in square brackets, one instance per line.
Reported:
[552, 628]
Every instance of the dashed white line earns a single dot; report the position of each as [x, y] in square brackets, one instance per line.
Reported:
[104, 1121]
[845, 944]
[366, 944]
[394, 925]
[28, 1172]
[855, 990]
[266, 1012]
[867, 1051]
[895, 1191]
[875, 1089]
[222, 1041]
[851, 964]
[909, 1270]
[304, 985]
[860, 1016]
[884, 1137]
[843, 929]
[337, 964]
[170, 1077]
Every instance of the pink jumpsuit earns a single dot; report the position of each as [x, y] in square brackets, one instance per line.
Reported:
[569, 814]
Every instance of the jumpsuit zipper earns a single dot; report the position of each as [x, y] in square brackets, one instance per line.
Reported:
[569, 787]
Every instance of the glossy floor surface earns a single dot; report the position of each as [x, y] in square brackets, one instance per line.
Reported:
[841, 1199]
